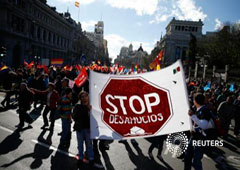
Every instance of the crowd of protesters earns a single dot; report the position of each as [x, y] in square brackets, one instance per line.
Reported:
[50, 88]
[213, 107]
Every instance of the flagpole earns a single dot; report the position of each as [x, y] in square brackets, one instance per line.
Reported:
[78, 13]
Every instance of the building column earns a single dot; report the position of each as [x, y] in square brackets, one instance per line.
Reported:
[196, 70]
[47, 33]
[35, 31]
[41, 34]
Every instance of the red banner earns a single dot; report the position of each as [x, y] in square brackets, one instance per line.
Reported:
[81, 78]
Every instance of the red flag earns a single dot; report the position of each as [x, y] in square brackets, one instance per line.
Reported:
[93, 66]
[31, 64]
[81, 78]
[68, 68]
[45, 69]
[25, 63]
[120, 69]
[154, 64]
[78, 67]
[160, 55]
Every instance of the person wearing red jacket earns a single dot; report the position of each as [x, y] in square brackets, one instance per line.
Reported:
[52, 100]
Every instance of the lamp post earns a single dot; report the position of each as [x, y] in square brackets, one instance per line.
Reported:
[205, 65]
[39, 59]
[196, 66]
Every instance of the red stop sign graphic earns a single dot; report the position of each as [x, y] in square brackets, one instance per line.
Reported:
[134, 106]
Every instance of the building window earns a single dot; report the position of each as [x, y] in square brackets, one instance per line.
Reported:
[19, 3]
[38, 33]
[190, 28]
[32, 30]
[196, 29]
[57, 40]
[44, 35]
[49, 37]
[54, 38]
[17, 24]
[182, 28]
[177, 54]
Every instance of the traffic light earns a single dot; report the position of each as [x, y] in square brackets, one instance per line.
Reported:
[3, 52]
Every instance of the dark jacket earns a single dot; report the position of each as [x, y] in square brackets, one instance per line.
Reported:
[25, 99]
[205, 114]
[81, 117]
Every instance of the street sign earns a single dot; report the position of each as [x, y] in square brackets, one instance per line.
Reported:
[134, 106]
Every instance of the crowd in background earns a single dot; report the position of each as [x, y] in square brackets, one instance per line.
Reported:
[49, 90]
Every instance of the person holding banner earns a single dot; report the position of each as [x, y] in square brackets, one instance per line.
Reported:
[82, 126]
[203, 129]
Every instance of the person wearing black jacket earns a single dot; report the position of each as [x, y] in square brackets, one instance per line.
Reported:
[237, 117]
[24, 102]
[203, 129]
[82, 126]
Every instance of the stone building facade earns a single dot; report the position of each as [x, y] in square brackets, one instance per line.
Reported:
[97, 38]
[176, 40]
[129, 57]
[32, 30]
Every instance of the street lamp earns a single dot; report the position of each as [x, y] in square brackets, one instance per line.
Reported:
[39, 59]
[205, 58]
[196, 66]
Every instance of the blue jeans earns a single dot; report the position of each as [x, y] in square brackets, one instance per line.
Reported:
[84, 135]
[195, 153]
[66, 131]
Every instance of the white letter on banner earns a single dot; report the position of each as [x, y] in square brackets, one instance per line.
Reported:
[148, 104]
[111, 104]
[141, 103]
[121, 98]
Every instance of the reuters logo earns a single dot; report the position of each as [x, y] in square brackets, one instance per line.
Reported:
[177, 143]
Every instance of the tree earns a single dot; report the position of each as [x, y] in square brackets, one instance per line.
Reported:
[223, 47]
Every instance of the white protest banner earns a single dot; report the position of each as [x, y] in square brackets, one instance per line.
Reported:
[142, 105]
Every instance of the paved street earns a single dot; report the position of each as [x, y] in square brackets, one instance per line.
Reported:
[34, 148]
